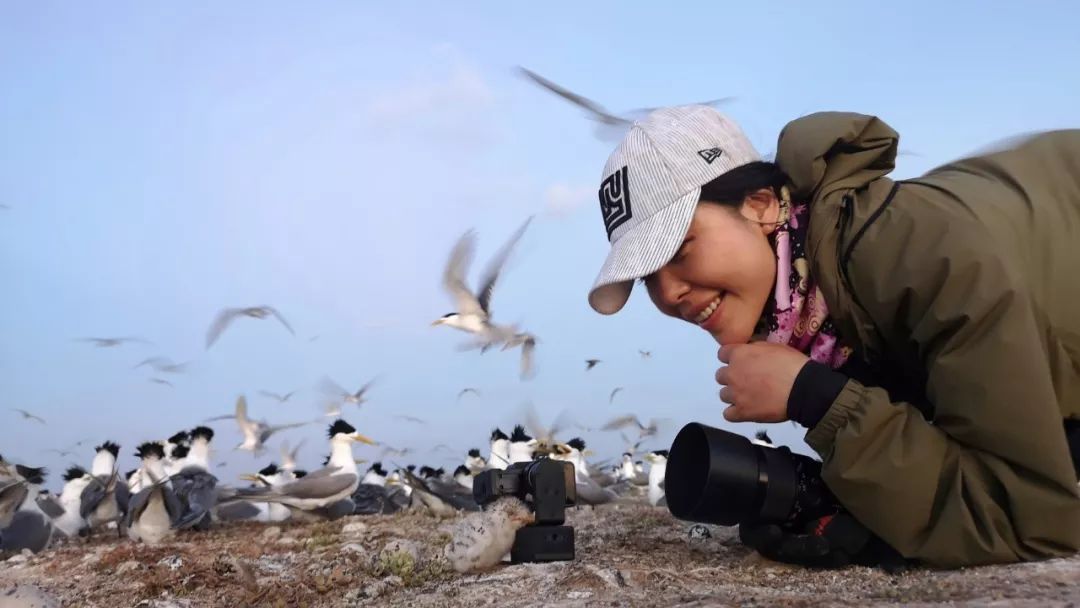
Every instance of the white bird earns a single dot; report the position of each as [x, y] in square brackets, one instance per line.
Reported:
[323, 487]
[333, 389]
[522, 446]
[629, 472]
[657, 460]
[228, 315]
[499, 454]
[277, 397]
[155, 508]
[28, 416]
[474, 461]
[163, 364]
[589, 491]
[72, 522]
[255, 432]
[25, 524]
[482, 539]
[105, 501]
[473, 314]
[160, 381]
[644, 430]
[412, 419]
[288, 459]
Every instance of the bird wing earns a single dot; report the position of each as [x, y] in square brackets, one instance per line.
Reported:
[50, 506]
[274, 396]
[457, 265]
[611, 398]
[91, 497]
[620, 422]
[328, 386]
[11, 496]
[318, 487]
[222, 321]
[270, 430]
[494, 267]
[596, 111]
[277, 314]
[363, 389]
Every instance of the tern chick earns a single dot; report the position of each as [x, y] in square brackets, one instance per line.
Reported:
[482, 539]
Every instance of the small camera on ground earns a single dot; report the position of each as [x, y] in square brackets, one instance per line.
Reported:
[547, 486]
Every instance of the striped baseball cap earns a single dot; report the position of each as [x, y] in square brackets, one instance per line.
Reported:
[650, 187]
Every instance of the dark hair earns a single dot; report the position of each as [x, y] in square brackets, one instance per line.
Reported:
[732, 188]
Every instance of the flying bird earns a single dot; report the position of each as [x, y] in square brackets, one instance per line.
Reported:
[473, 314]
[61, 453]
[412, 419]
[110, 342]
[591, 363]
[28, 416]
[611, 127]
[160, 381]
[645, 354]
[644, 430]
[277, 397]
[255, 432]
[611, 397]
[468, 390]
[335, 390]
[163, 364]
[228, 315]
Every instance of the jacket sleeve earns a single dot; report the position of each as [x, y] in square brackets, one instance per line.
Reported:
[988, 479]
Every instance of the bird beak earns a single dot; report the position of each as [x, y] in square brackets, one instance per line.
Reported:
[587, 452]
[362, 439]
[249, 477]
[436, 322]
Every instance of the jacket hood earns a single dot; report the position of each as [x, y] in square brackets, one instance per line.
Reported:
[829, 151]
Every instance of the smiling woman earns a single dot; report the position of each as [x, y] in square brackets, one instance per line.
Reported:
[923, 331]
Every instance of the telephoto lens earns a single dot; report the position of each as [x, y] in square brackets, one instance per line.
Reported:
[718, 477]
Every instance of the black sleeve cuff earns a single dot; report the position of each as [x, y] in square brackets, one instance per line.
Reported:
[815, 389]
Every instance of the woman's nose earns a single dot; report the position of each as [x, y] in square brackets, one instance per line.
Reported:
[669, 288]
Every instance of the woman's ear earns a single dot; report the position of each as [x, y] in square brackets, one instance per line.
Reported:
[763, 208]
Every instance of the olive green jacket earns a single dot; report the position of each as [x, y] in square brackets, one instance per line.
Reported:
[966, 280]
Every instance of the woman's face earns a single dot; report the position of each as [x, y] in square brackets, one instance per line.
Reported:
[725, 270]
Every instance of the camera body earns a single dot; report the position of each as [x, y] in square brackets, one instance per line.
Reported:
[548, 487]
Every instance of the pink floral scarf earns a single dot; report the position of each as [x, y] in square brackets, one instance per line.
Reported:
[797, 315]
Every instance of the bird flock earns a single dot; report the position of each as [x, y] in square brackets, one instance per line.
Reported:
[173, 490]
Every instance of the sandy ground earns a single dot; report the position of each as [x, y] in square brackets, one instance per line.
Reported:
[626, 556]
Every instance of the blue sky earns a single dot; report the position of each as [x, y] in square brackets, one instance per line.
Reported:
[163, 160]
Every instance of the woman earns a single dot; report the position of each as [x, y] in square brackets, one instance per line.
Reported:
[926, 332]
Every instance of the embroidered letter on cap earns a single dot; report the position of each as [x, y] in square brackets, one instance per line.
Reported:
[710, 154]
[615, 200]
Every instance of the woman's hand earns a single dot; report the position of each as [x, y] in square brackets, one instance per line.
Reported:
[757, 380]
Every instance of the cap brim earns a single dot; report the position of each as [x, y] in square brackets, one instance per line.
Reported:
[643, 250]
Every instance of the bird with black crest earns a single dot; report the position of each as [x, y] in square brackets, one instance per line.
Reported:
[522, 446]
[323, 487]
[105, 499]
[499, 453]
[193, 483]
[71, 521]
[155, 509]
[474, 462]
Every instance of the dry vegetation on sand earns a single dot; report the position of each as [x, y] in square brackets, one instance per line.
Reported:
[627, 555]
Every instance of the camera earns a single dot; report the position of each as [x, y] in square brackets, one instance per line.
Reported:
[714, 476]
[548, 487]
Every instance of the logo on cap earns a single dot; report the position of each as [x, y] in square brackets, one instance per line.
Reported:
[710, 154]
[615, 200]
